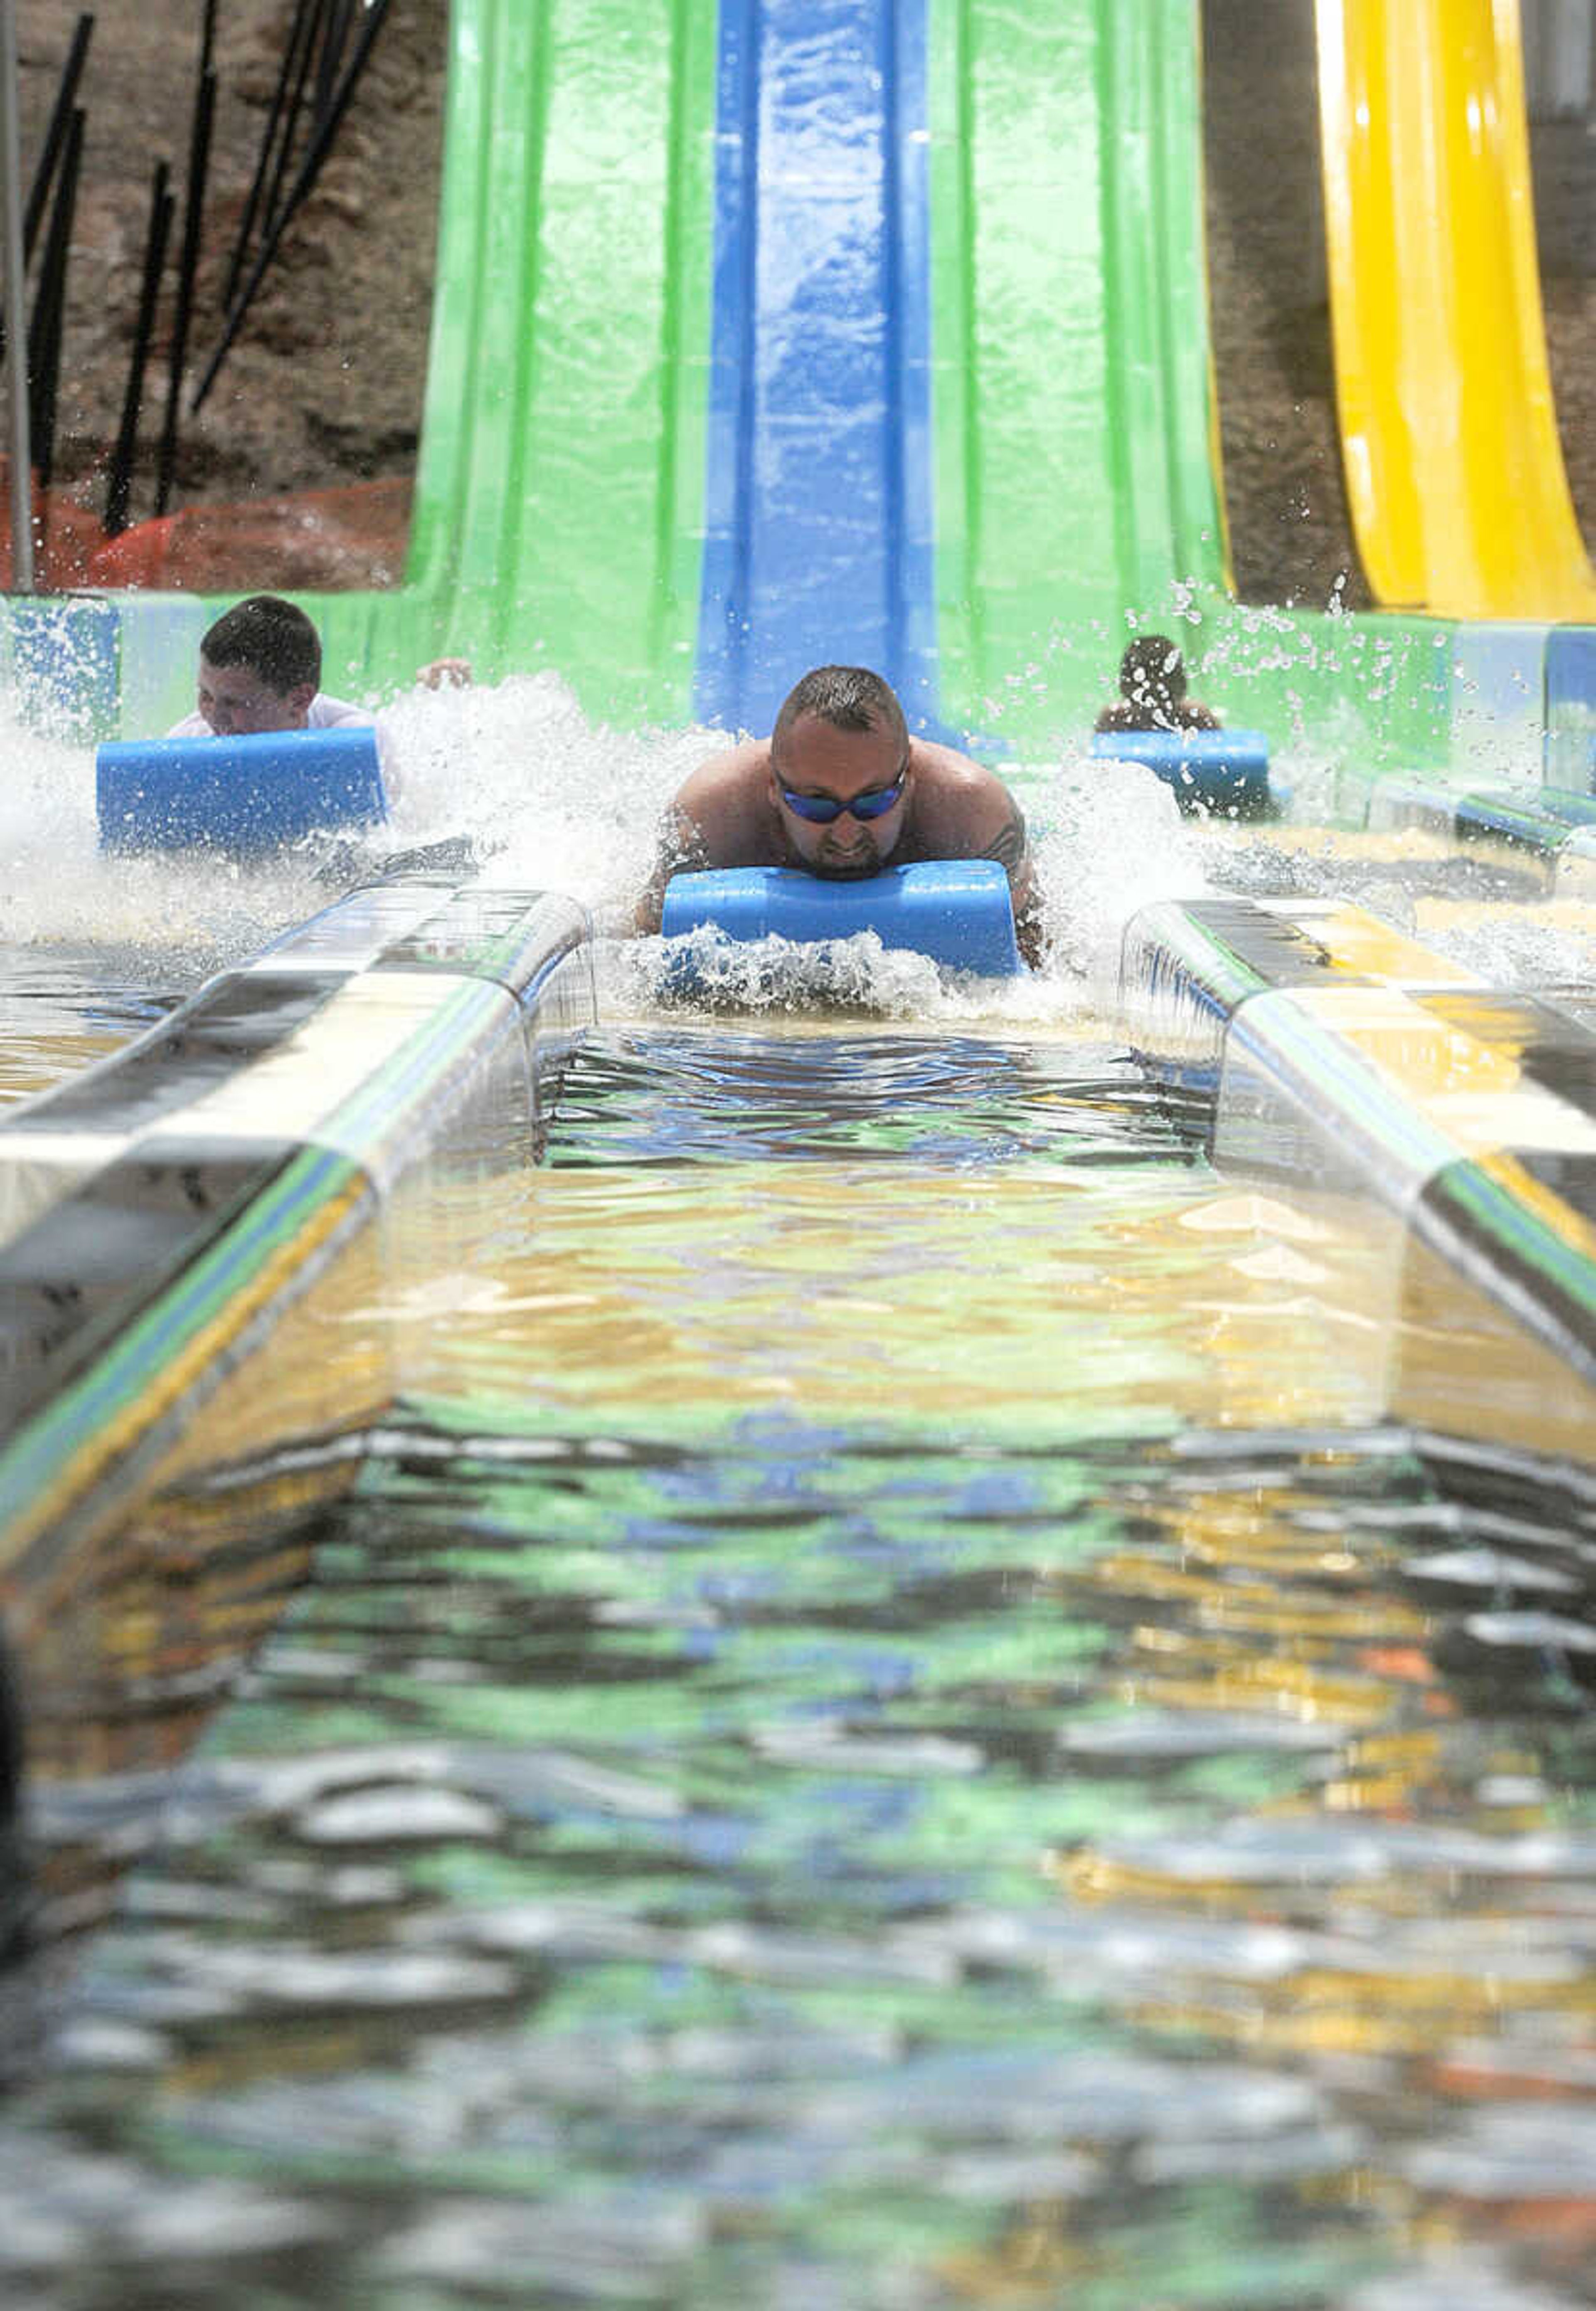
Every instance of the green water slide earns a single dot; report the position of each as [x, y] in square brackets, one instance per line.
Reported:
[1076, 466]
[558, 496]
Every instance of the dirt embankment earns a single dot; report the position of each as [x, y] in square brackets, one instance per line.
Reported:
[324, 388]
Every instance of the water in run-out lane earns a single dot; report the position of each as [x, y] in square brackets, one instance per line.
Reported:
[889, 1725]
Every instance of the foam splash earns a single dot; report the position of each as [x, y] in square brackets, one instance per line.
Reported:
[57, 890]
[1109, 839]
[705, 971]
[549, 798]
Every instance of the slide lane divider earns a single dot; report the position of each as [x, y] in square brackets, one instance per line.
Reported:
[1347, 1058]
[1548, 831]
[165, 1212]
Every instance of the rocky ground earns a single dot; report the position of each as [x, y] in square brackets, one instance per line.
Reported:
[324, 389]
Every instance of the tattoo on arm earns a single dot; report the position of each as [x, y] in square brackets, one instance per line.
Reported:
[1007, 846]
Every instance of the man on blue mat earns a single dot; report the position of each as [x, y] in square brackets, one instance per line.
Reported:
[260, 670]
[1153, 691]
[840, 789]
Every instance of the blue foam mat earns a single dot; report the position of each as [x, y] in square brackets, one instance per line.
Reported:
[1224, 771]
[955, 910]
[238, 795]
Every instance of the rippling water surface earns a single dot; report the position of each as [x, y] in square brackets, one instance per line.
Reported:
[62, 1007]
[888, 1726]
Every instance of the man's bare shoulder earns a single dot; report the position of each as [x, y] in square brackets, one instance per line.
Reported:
[954, 793]
[725, 779]
[945, 767]
[718, 817]
[722, 815]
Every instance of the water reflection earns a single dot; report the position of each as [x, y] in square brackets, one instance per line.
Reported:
[62, 1007]
[803, 1871]
[656, 1097]
[875, 1733]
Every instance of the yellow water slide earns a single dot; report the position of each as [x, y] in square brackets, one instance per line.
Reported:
[1455, 471]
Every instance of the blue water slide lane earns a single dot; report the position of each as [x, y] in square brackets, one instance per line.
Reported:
[818, 510]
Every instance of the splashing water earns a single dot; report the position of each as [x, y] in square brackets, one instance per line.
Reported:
[1110, 839]
[182, 915]
[554, 800]
[550, 800]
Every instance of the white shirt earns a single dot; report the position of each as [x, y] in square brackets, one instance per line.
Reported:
[323, 713]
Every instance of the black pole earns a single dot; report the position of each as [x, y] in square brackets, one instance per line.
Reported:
[44, 336]
[309, 169]
[121, 477]
[207, 37]
[324, 126]
[333, 39]
[194, 199]
[299, 32]
[282, 127]
[56, 134]
[296, 104]
[18, 450]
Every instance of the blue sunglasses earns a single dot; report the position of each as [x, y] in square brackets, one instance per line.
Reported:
[820, 810]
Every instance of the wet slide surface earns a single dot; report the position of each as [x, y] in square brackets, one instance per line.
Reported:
[818, 518]
[1455, 470]
[1075, 465]
[559, 493]
[763, 333]
[961, 409]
